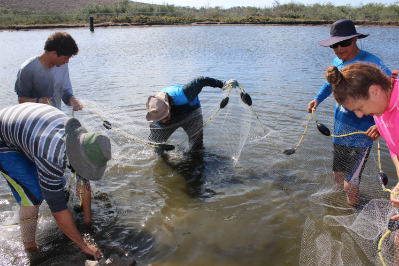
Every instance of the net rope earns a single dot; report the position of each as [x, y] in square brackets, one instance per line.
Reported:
[346, 235]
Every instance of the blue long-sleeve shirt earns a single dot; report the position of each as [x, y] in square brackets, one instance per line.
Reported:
[346, 121]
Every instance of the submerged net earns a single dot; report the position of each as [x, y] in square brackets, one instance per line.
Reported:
[297, 159]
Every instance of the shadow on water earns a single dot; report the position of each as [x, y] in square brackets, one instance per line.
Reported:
[191, 166]
[202, 171]
[292, 182]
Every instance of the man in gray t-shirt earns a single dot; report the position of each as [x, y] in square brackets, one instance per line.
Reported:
[45, 78]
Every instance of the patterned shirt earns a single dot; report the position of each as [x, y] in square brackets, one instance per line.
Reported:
[37, 131]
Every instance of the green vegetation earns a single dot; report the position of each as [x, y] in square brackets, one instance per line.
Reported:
[126, 11]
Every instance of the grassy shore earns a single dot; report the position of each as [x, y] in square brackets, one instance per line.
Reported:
[200, 23]
[129, 13]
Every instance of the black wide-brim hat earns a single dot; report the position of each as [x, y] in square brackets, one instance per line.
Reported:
[342, 30]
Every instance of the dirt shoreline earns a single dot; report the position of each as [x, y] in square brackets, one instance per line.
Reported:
[208, 23]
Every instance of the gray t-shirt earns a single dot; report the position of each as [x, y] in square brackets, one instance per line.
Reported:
[35, 80]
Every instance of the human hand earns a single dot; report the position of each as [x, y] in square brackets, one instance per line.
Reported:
[312, 105]
[395, 201]
[75, 103]
[231, 82]
[92, 251]
[45, 100]
[395, 217]
[373, 133]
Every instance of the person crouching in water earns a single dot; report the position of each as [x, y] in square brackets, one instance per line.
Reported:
[179, 106]
[37, 142]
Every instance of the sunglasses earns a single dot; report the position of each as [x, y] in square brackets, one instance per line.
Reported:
[345, 43]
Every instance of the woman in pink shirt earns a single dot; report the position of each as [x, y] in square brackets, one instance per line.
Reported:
[366, 90]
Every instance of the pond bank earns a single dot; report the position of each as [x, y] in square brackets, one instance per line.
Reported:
[210, 23]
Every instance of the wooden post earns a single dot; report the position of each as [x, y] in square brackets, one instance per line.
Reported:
[91, 24]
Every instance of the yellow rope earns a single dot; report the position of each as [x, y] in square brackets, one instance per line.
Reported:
[340, 136]
[380, 245]
[231, 87]
[94, 110]
[395, 195]
[151, 145]
[81, 193]
[300, 141]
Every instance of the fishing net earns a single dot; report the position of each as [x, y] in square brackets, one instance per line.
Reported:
[130, 130]
[344, 226]
[300, 160]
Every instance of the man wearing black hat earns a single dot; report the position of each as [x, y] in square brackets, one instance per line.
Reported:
[351, 152]
[37, 142]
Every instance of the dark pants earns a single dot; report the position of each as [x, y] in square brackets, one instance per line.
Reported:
[191, 124]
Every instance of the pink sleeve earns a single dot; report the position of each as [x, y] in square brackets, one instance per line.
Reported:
[384, 133]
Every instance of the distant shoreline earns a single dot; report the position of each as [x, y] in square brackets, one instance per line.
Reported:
[204, 23]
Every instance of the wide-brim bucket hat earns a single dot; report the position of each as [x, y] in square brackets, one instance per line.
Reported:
[342, 30]
[157, 107]
[88, 153]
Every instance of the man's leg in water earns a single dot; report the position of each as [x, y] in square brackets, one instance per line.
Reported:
[160, 134]
[339, 179]
[28, 223]
[22, 178]
[193, 128]
[348, 165]
[85, 192]
[352, 193]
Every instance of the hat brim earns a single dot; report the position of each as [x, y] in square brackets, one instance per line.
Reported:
[336, 39]
[164, 97]
[75, 134]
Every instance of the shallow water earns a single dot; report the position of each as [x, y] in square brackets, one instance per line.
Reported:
[198, 209]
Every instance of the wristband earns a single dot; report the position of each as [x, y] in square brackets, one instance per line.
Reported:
[37, 100]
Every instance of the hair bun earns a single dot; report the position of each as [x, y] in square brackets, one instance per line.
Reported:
[333, 75]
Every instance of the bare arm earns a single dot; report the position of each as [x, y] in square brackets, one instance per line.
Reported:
[312, 105]
[66, 223]
[75, 103]
[24, 99]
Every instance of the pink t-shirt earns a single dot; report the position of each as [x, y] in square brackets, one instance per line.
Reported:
[388, 123]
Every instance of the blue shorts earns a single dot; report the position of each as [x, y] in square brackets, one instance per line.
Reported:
[350, 161]
[21, 176]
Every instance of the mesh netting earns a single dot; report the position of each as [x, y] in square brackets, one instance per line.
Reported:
[297, 159]
[356, 214]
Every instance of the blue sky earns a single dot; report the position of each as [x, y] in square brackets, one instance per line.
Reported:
[257, 3]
